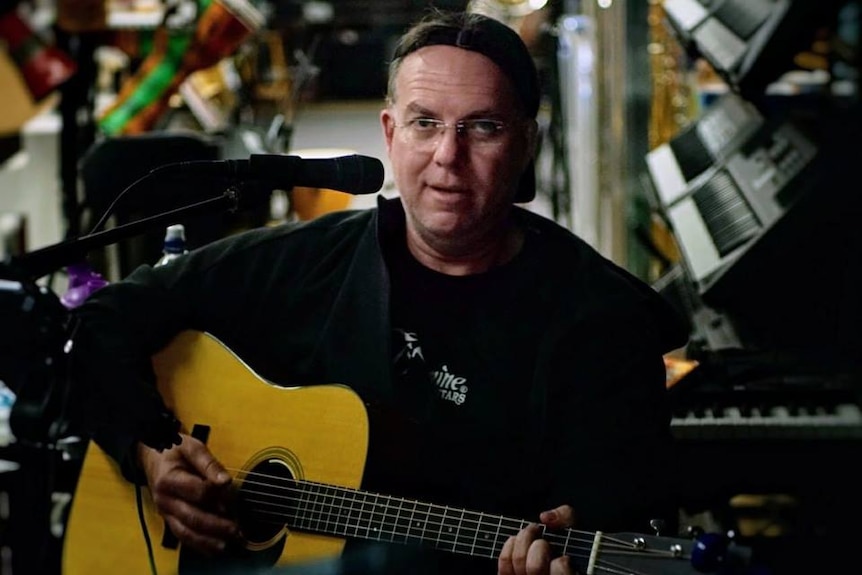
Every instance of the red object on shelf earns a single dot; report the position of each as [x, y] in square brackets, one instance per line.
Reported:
[43, 66]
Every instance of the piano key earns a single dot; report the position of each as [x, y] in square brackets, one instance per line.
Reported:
[844, 421]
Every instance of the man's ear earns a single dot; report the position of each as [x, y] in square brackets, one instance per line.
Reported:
[387, 122]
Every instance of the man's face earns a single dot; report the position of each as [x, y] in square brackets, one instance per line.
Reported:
[456, 187]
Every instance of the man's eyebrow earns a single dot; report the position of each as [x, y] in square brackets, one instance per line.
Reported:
[487, 113]
[417, 109]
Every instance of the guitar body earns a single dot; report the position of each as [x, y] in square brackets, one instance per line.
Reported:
[316, 434]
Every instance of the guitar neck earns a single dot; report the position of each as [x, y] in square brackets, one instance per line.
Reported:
[355, 514]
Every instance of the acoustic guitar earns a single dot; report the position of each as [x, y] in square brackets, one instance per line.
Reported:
[297, 456]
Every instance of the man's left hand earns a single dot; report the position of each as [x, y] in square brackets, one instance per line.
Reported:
[528, 554]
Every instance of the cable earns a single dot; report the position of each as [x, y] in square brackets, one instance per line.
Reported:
[107, 213]
[140, 503]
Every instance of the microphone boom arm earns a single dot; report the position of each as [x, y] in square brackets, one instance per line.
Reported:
[40, 262]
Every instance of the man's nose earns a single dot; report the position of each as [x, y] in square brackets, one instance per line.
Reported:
[448, 145]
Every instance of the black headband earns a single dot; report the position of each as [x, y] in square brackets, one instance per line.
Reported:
[495, 41]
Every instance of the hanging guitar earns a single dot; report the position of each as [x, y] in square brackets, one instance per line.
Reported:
[297, 455]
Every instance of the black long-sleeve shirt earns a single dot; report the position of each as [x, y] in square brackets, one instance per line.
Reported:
[310, 303]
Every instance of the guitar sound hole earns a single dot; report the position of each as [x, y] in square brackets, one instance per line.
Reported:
[264, 500]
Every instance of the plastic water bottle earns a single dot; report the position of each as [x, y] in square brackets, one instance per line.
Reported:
[175, 244]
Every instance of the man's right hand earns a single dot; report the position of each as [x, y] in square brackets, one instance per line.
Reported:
[190, 489]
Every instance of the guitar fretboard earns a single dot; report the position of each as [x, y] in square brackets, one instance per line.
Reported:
[348, 513]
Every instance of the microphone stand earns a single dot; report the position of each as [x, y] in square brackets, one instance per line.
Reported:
[40, 262]
[35, 348]
[40, 412]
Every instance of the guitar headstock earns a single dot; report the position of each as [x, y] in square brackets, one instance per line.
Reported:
[643, 554]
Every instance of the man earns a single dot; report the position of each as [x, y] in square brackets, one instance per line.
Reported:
[506, 366]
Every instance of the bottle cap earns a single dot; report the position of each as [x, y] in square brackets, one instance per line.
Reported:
[175, 239]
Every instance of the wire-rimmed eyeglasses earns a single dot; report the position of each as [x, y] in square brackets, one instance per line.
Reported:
[476, 131]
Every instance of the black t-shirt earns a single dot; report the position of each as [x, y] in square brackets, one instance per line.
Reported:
[463, 353]
[464, 350]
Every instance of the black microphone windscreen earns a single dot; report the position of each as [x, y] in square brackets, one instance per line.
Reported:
[354, 174]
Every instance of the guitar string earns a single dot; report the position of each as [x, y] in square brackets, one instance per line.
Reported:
[582, 553]
[602, 564]
[514, 524]
[376, 512]
[366, 530]
[611, 544]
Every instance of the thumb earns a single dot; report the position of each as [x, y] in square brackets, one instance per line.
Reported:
[203, 461]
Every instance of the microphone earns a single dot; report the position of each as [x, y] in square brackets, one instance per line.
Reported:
[353, 174]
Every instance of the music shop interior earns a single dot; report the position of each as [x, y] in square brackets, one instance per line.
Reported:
[710, 147]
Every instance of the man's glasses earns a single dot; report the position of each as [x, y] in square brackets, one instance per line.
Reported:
[477, 132]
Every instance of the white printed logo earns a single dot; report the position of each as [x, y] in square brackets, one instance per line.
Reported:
[450, 386]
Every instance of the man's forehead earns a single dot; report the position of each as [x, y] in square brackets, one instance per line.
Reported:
[487, 37]
[440, 57]
[442, 70]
